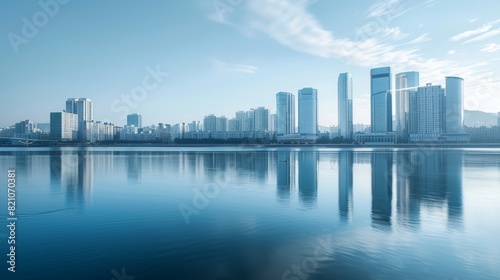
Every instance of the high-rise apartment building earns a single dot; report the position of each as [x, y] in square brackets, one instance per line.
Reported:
[454, 105]
[345, 105]
[63, 126]
[285, 113]
[406, 82]
[134, 120]
[83, 107]
[221, 125]
[381, 100]
[308, 111]
[273, 124]
[210, 123]
[427, 109]
[261, 122]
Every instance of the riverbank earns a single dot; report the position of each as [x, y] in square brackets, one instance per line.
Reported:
[347, 146]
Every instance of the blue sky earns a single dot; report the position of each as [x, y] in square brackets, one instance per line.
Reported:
[222, 56]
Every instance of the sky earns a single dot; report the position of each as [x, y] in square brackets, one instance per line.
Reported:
[177, 61]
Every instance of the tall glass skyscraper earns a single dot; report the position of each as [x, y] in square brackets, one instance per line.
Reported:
[285, 113]
[406, 82]
[381, 100]
[454, 105]
[345, 105]
[308, 111]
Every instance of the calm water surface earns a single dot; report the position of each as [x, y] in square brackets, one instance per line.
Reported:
[244, 213]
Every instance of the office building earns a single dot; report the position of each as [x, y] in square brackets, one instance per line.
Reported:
[308, 112]
[454, 105]
[345, 129]
[285, 113]
[381, 100]
[134, 120]
[498, 119]
[63, 126]
[406, 82]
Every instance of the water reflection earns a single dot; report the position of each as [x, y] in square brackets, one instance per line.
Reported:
[381, 164]
[285, 177]
[134, 167]
[74, 172]
[345, 165]
[308, 177]
[427, 180]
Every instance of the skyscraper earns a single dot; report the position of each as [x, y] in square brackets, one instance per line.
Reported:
[84, 108]
[498, 119]
[406, 82]
[454, 105]
[345, 105]
[135, 120]
[285, 113]
[427, 107]
[308, 111]
[381, 100]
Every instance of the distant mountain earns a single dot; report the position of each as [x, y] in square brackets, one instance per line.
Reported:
[479, 118]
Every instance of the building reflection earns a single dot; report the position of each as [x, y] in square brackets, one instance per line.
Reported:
[381, 164]
[134, 168]
[429, 179]
[345, 164]
[73, 171]
[454, 165]
[408, 201]
[308, 177]
[285, 176]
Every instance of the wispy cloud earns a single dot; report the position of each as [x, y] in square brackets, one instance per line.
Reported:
[484, 36]
[220, 65]
[492, 47]
[421, 39]
[479, 33]
[387, 9]
[289, 23]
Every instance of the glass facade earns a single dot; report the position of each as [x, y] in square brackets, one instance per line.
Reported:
[308, 111]
[285, 113]
[345, 105]
[381, 100]
[406, 83]
[454, 105]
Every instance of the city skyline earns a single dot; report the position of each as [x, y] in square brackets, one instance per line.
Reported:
[236, 60]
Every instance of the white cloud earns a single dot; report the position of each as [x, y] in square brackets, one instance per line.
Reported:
[492, 47]
[484, 36]
[473, 20]
[386, 10]
[289, 23]
[420, 39]
[451, 52]
[478, 31]
[220, 65]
